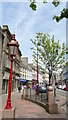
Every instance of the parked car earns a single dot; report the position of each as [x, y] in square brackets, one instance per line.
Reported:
[42, 89]
[63, 86]
[59, 86]
[66, 88]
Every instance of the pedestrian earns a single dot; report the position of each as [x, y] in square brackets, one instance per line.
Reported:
[46, 92]
[19, 88]
[22, 91]
[34, 89]
[55, 91]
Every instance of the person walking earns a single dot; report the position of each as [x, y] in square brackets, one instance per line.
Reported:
[22, 91]
[19, 88]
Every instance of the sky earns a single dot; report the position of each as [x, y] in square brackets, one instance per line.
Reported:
[24, 22]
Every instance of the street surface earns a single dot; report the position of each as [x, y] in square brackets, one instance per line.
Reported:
[64, 100]
[61, 92]
[26, 109]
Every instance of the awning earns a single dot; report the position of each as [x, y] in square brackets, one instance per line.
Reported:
[23, 80]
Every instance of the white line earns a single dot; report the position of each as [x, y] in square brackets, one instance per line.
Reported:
[62, 96]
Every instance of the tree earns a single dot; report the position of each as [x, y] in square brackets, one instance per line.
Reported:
[63, 14]
[50, 53]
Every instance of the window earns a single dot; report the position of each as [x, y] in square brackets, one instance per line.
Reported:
[23, 69]
[3, 85]
[23, 76]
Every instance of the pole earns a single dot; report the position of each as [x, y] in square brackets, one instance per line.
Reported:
[30, 92]
[8, 104]
[37, 74]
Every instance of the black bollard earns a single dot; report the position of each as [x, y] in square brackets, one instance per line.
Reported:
[30, 92]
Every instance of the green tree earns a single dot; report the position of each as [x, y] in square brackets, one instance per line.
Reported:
[63, 14]
[50, 53]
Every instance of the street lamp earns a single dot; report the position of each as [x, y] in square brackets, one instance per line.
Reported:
[37, 75]
[13, 45]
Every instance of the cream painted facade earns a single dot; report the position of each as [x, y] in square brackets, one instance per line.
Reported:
[45, 77]
[26, 70]
[23, 72]
[29, 71]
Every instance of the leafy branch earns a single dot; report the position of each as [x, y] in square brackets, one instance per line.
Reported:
[63, 14]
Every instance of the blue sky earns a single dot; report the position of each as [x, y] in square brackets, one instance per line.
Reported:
[25, 22]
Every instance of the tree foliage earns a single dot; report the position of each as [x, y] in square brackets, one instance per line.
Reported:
[50, 53]
[33, 6]
[63, 14]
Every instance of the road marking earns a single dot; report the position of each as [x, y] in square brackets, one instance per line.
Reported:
[62, 96]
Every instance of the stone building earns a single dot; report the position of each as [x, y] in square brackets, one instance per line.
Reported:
[6, 62]
[1, 47]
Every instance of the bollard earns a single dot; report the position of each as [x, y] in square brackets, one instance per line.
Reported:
[35, 95]
[54, 92]
[30, 92]
[26, 92]
[51, 106]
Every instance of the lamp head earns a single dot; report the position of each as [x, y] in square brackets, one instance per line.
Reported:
[13, 46]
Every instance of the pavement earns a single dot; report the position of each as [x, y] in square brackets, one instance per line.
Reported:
[26, 109]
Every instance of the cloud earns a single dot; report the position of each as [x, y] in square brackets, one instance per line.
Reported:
[25, 23]
[40, 1]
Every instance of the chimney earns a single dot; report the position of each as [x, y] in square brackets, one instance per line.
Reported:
[5, 27]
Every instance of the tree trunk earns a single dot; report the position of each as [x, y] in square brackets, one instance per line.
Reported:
[50, 74]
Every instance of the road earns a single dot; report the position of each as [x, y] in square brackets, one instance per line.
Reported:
[64, 99]
[61, 92]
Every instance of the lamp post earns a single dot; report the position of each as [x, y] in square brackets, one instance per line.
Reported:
[13, 45]
[37, 74]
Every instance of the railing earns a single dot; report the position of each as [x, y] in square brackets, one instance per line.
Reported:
[42, 97]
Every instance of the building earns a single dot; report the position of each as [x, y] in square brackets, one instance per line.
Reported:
[29, 75]
[65, 73]
[6, 62]
[26, 71]
[67, 47]
[1, 48]
[24, 67]
[29, 72]
[34, 74]
[45, 77]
